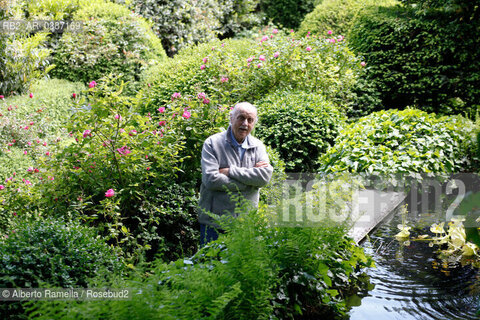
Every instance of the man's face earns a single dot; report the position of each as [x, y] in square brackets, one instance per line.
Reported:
[243, 122]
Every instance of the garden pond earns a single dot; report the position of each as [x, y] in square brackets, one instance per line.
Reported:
[410, 280]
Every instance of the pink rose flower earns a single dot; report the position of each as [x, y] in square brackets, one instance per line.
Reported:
[250, 59]
[308, 49]
[202, 67]
[176, 95]
[275, 31]
[206, 101]
[110, 193]
[224, 79]
[329, 31]
[363, 63]
[31, 95]
[87, 133]
[276, 54]
[186, 114]
[118, 117]
[2, 97]
[92, 84]
[201, 95]
[262, 57]
[161, 109]
[2, 187]
[205, 60]
[74, 95]
[132, 132]
[162, 123]
[259, 65]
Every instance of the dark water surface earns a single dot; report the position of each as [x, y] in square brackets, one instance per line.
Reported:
[412, 283]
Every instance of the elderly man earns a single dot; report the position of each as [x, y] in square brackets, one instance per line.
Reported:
[232, 161]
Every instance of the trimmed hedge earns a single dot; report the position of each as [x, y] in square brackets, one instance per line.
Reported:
[286, 13]
[247, 70]
[428, 62]
[337, 15]
[300, 125]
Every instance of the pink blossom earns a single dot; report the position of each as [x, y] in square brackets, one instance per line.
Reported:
[223, 45]
[333, 40]
[74, 95]
[161, 109]
[122, 130]
[32, 123]
[175, 95]
[2, 187]
[213, 48]
[259, 65]
[51, 178]
[87, 133]
[30, 169]
[205, 60]
[148, 168]
[27, 182]
[44, 144]
[186, 114]
[329, 31]
[132, 132]
[291, 31]
[110, 193]
[25, 152]
[162, 123]
[275, 31]
[47, 153]
[29, 143]
[2, 97]
[118, 117]
[276, 54]
[92, 84]
[202, 67]
[201, 95]
[308, 49]
[363, 63]
[224, 79]
[262, 57]
[250, 59]
[206, 101]
[123, 150]
[340, 38]
[31, 95]
[265, 38]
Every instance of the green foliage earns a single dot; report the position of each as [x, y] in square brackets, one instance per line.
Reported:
[462, 9]
[286, 13]
[246, 70]
[337, 16]
[405, 142]
[272, 192]
[113, 40]
[254, 271]
[181, 23]
[24, 60]
[53, 253]
[51, 9]
[300, 126]
[418, 61]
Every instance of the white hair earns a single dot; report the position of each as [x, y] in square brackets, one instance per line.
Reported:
[246, 105]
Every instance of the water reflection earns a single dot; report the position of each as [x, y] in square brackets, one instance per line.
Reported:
[412, 283]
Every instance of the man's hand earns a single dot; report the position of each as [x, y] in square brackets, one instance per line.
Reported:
[261, 164]
[223, 171]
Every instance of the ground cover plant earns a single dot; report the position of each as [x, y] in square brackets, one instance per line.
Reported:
[256, 270]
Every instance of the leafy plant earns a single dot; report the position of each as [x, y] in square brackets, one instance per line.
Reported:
[336, 16]
[286, 13]
[301, 126]
[50, 252]
[407, 142]
[417, 60]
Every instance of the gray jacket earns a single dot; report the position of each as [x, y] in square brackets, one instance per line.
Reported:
[243, 178]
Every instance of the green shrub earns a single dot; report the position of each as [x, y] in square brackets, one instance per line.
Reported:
[51, 9]
[337, 16]
[245, 70]
[286, 13]
[24, 60]
[113, 40]
[52, 253]
[254, 271]
[300, 126]
[418, 60]
[404, 142]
